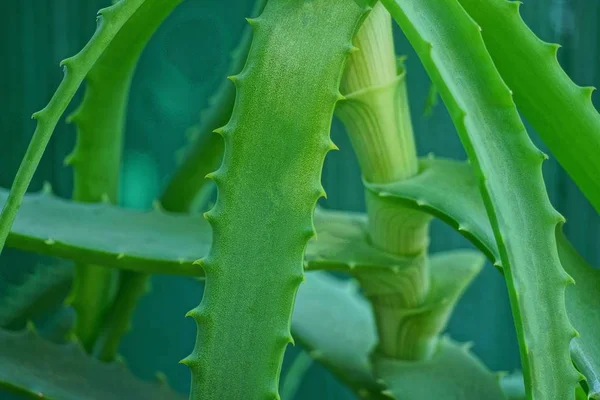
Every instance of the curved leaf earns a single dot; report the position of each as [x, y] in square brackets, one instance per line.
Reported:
[561, 112]
[110, 21]
[96, 159]
[508, 168]
[448, 189]
[168, 243]
[39, 369]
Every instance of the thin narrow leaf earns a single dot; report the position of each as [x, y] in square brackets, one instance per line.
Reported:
[96, 159]
[110, 21]
[508, 169]
[294, 376]
[561, 112]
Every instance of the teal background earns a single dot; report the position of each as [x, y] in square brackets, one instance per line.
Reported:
[183, 64]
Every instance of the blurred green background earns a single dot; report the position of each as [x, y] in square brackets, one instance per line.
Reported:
[184, 63]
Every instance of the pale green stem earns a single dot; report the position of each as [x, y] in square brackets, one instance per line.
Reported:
[377, 117]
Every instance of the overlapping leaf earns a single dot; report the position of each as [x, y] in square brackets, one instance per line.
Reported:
[448, 189]
[508, 168]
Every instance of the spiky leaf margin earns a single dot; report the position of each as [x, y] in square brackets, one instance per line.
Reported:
[508, 169]
[268, 185]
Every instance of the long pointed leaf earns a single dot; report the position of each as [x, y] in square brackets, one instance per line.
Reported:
[560, 111]
[110, 21]
[168, 243]
[508, 167]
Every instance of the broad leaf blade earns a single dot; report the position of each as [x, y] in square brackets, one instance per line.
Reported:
[452, 374]
[162, 242]
[34, 367]
[268, 185]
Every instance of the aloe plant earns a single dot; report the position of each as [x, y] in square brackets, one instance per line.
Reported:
[382, 331]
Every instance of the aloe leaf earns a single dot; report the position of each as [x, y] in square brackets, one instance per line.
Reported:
[452, 373]
[110, 21]
[168, 243]
[555, 106]
[42, 290]
[268, 186]
[132, 286]
[101, 116]
[122, 238]
[448, 190]
[204, 153]
[508, 168]
[583, 305]
[38, 369]
[96, 159]
[345, 343]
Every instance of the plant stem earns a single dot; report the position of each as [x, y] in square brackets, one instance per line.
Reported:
[377, 117]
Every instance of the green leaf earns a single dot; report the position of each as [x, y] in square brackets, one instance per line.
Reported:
[448, 190]
[268, 185]
[583, 305]
[508, 169]
[96, 159]
[189, 180]
[452, 374]
[345, 343]
[513, 386]
[168, 243]
[41, 290]
[39, 369]
[555, 106]
[110, 21]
